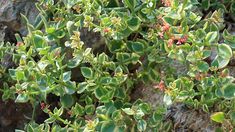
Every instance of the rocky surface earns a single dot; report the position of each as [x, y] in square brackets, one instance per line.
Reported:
[148, 94]
[13, 116]
[2, 32]
[10, 14]
[184, 119]
[11, 23]
[189, 120]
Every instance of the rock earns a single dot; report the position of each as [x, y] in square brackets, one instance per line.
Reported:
[10, 14]
[183, 118]
[186, 119]
[10, 22]
[93, 40]
[2, 32]
[149, 95]
[12, 116]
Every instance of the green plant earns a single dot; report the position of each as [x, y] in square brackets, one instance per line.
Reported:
[143, 40]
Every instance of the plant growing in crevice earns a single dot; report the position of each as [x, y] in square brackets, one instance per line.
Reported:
[144, 41]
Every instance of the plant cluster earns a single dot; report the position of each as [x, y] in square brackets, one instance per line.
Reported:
[144, 41]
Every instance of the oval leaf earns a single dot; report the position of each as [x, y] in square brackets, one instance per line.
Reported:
[86, 72]
[229, 91]
[218, 117]
[224, 51]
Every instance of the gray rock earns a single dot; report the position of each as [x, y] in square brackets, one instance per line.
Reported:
[2, 33]
[186, 119]
[10, 22]
[10, 11]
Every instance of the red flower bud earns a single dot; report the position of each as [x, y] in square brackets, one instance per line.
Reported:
[57, 54]
[106, 30]
[182, 40]
[70, 112]
[170, 42]
[160, 86]
[160, 34]
[166, 3]
[43, 106]
[165, 27]
[19, 44]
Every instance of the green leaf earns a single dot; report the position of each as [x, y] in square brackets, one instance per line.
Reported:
[124, 57]
[70, 87]
[206, 4]
[200, 34]
[50, 120]
[134, 23]
[130, 3]
[218, 117]
[169, 20]
[20, 75]
[78, 109]
[203, 66]
[30, 128]
[223, 57]
[157, 117]
[232, 116]
[129, 111]
[139, 114]
[69, 3]
[135, 58]
[105, 80]
[123, 34]
[206, 53]
[87, 72]
[22, 98]
[58, 112]
[225, 51]
[167, 99]
[146, 108]
[220, 62]
[74, 62]
[229, 38]
[211, 36]
[115, 45]
[100, 92]
[39, 41]
[81, 87]
[66, 76]
[138, 47]
[109, 95]
[177, 54]
[50, 30]
[109, 126]
[174, 15]
[67, 100]
[102, 58]
[70, 26]
[141, 125]
[12, 73]
[120, 93]
[17, 130]
[88, 100]
[43, 64]
[89, 109]
[228, 91]
[117, 115]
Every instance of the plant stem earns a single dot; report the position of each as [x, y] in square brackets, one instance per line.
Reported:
[34, 110]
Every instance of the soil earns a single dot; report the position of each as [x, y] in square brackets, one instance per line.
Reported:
[13, 116]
